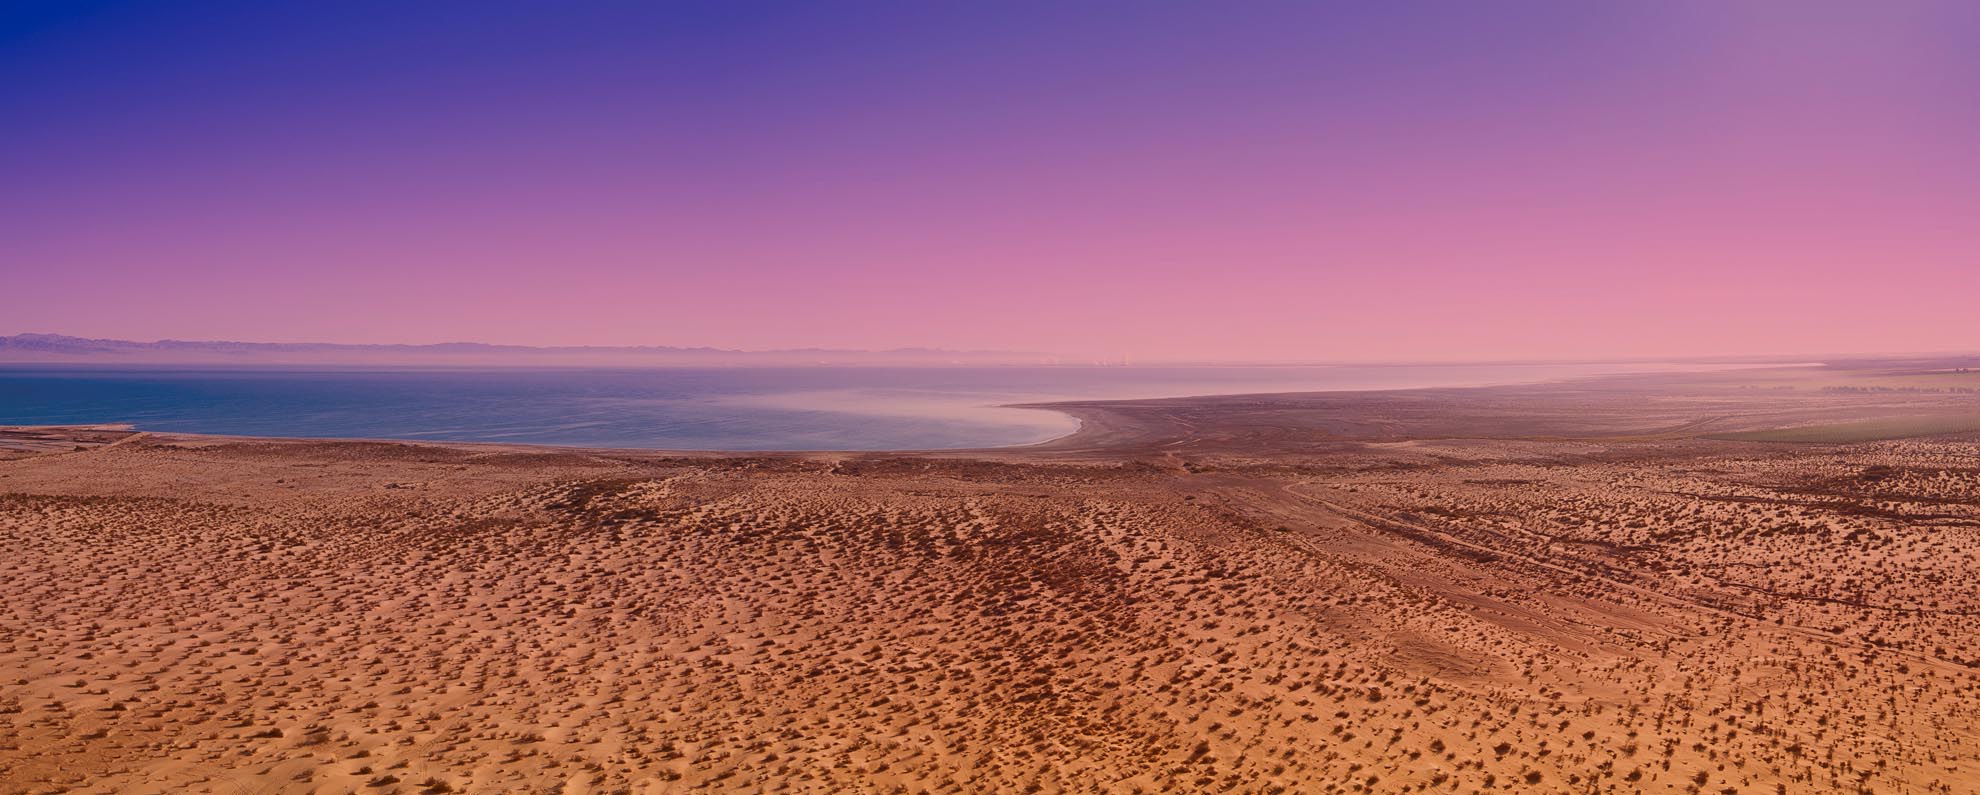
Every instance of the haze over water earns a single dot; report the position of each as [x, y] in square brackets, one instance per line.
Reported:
[755, 408]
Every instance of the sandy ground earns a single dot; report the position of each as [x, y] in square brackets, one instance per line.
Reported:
[1537, 589]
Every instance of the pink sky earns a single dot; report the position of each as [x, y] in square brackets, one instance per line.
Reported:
[1413, 182]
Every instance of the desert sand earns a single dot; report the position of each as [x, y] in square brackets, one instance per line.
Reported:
[1737, 583]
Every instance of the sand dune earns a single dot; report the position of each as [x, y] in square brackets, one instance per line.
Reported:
[1323, 613]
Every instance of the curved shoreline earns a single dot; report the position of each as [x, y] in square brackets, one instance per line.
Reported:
[1112, 425]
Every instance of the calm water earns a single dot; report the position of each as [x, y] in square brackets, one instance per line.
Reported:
[768, 408]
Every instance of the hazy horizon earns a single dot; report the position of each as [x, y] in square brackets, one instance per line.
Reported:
[55, 348]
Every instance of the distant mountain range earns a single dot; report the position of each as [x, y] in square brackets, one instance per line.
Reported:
[58, 348]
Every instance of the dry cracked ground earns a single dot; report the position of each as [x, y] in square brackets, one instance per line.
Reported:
[186, 614]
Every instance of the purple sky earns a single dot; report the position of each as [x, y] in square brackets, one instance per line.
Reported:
[1287, 181]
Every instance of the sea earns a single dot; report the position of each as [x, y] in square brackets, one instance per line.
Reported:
[724, 409]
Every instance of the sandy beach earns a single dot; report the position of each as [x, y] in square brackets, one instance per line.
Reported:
[1620, 585]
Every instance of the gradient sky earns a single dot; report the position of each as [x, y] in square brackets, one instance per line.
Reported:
[1248, 180]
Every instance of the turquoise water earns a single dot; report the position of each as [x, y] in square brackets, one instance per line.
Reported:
[759, 408]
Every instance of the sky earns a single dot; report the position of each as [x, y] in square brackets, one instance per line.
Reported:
[1257, 181]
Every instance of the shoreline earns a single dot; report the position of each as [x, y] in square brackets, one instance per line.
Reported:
[1750, 405]
[1087, 416]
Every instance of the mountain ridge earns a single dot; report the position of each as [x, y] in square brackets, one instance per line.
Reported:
[63, 348]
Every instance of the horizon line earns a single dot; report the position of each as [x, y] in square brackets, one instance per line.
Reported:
[996, 356]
